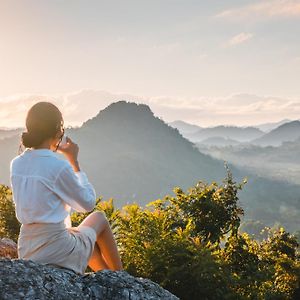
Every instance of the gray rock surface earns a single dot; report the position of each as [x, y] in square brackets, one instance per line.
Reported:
[25, 279]
[8, 248]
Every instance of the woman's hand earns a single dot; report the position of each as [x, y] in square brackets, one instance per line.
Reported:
[70, 151]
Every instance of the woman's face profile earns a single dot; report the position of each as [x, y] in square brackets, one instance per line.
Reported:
[53, 142]
[58, 137]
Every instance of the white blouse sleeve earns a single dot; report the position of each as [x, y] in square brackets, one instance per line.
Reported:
[75, 189]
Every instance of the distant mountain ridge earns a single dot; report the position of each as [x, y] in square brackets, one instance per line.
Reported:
[268, 134]
[5, 133]
[284, 133]
[267, 127]
[184, 127]
[198, 134]
[240, 134]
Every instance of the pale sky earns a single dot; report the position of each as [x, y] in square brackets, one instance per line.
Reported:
[205, 62]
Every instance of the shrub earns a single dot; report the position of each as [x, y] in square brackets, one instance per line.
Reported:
[9, 225]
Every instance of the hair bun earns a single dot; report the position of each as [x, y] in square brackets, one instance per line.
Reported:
[30, 139]
[43, 121]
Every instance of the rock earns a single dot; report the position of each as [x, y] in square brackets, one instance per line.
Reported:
[25, 279]
[8, 248]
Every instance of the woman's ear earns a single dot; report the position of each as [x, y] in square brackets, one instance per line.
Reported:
[61, 133]
[57, 136]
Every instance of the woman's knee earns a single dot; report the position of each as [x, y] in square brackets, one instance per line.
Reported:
[100, 215]
[97, 220]
[101, 220]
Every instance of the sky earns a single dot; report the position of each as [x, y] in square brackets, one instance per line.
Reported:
[234, 62]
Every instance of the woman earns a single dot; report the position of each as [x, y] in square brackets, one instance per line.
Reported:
[45, 189]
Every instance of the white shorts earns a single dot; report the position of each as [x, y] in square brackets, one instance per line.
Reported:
[55, 244]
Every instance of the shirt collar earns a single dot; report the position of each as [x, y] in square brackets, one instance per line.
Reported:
[40, 152]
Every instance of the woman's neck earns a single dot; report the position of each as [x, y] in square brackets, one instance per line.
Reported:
[45, 145]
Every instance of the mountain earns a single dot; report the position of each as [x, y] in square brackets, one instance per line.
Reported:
[4, 133]
[284, 133]
[240, 134]
[133, 156]
[8, 150]
[267, 127]
[184, 127]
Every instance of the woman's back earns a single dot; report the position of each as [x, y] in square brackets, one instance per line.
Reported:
[45, 187]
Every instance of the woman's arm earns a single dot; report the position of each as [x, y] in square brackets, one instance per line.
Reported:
[75, 189]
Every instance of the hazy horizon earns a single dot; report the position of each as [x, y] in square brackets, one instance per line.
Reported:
[83, 105]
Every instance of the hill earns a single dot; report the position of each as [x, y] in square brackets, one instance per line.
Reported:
[8, 149]
[240, 134]
[284, 133]
[267, 127]
[184, 127]
[4, 133]
[131, 155]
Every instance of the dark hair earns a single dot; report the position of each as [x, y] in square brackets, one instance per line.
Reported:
[43, 121]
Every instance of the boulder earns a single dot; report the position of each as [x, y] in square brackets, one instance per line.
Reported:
[8, 248]
[25, 279]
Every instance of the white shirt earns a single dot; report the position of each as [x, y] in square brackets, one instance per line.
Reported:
[45, 188]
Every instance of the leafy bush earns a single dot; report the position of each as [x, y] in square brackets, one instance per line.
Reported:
[9, 225]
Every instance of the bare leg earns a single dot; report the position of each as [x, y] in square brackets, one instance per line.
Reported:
[108, 255]
[109, 249]
[97, 261]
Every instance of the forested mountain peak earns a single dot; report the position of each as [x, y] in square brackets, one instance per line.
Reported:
[120, 112]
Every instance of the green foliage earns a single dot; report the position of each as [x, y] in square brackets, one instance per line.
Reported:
[211, 210]
[106, 206]
[192, 245]
[280, 252]
[9, 225]
[152, 247]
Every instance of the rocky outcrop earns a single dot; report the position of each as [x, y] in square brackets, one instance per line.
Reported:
[8, 248]
[25, 279]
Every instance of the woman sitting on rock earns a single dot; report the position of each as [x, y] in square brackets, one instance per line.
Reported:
[46, 188]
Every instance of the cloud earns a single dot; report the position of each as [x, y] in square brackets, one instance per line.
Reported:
[14, 108]
[239, 39]
[237, 109]
[263, 9]
[76, 107]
